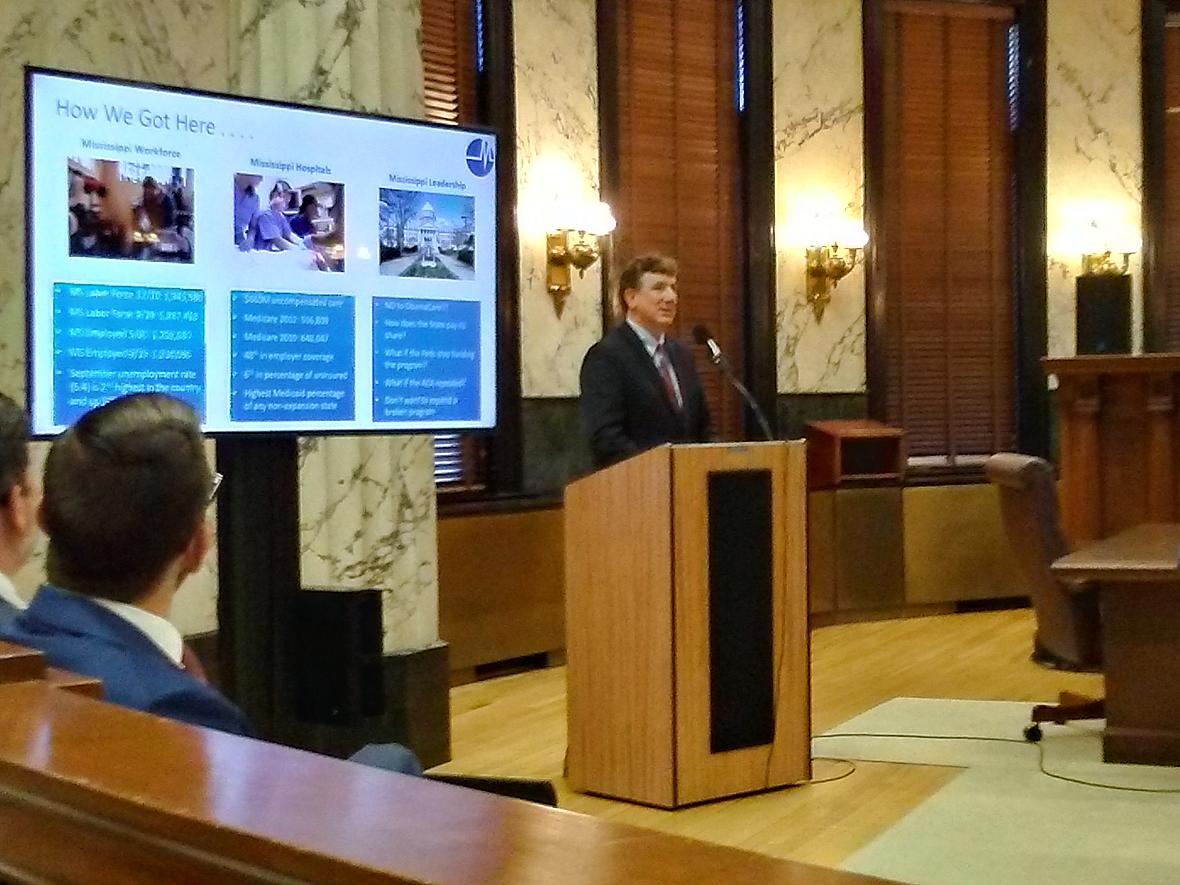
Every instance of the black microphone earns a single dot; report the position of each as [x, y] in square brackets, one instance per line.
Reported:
[701, 335]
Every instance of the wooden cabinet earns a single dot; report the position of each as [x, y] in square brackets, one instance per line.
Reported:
[854, 473]
[854, 452]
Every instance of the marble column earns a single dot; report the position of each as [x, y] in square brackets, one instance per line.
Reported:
[367, 507]
[180, 44]
[557, 158]
[819, 167]
[1095, 145]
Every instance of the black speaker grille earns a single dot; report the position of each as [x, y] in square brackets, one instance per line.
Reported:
[741, 610]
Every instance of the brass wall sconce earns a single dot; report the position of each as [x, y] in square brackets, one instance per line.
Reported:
[827, 265]
[566, 249]
[574, 247]
[1104, 264]
[1105, 241]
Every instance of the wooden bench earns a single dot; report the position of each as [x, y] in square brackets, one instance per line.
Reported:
[93, 792]
[20, 664]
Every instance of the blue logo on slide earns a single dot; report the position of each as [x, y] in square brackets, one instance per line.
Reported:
[481, 156]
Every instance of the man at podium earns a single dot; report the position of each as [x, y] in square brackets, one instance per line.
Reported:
[639, 386]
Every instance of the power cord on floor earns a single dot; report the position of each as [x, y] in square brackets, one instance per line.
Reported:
[999, 740]
[836, 777]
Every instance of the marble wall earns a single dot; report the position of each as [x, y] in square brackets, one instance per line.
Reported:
[557, 159]
[819, 169]
[1095, 146]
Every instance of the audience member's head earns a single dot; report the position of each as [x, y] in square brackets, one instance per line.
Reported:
[126, 490]
[18, 488]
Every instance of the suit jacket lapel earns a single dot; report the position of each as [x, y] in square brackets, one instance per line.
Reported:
[647, 367]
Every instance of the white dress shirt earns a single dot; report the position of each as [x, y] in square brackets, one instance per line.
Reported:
[8, 593]
[159, 630]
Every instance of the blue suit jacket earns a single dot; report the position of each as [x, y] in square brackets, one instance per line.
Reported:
[8, 613]
[78, 635]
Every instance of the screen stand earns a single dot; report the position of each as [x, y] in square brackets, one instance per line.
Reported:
[258, 555]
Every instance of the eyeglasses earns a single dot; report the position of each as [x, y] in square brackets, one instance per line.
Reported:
[217, 477]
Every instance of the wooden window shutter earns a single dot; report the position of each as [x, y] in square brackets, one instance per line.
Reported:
[449, 79]
[448, 60]
[679, 165]
[950, 299]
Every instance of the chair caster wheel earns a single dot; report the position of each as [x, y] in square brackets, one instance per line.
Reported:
[1032, 733]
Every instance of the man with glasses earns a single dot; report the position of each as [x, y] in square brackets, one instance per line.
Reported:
[126, 493]
[19, 496]
[127, 489]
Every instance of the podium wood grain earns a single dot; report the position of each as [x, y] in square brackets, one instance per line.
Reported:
[637, 621]
[618, 526]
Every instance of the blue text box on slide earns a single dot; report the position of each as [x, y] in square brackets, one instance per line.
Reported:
[112, 340]
[292, 357]
[425, 360]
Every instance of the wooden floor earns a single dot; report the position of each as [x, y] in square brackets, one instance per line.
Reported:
[515, 726]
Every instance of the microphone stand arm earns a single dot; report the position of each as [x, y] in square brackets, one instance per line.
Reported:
[719, 360]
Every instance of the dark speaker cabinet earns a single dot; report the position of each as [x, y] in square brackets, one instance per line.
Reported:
[337, 647]
[1104, 314]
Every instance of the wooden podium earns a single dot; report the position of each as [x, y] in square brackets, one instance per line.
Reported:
[686, 623]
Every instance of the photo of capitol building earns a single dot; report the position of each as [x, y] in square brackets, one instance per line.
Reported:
[428, 235]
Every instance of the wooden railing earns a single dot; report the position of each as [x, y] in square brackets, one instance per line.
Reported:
[92, 792]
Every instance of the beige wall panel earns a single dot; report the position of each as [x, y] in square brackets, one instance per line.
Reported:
[955, 547]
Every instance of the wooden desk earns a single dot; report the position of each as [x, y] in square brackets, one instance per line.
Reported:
[1140, 581]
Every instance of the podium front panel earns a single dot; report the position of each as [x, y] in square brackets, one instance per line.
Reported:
[783, 755]
[618, 555]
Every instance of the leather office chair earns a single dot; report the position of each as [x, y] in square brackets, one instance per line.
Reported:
[1068, 633]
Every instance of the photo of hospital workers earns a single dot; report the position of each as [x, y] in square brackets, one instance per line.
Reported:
[303, 222]
[138, 211]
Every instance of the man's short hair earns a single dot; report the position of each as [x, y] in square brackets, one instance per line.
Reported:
[14, 446]
[632, 275]
[125, 489]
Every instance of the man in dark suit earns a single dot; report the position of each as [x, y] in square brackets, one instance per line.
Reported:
[126, 491]
[19, 494]
[639, 386]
